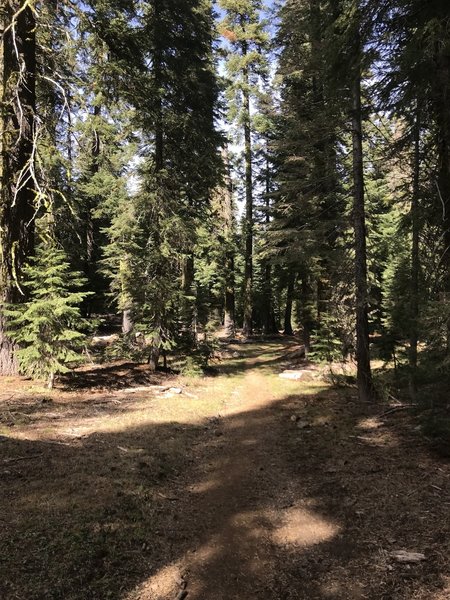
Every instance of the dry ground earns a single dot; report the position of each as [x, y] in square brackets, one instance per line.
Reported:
[243, 486]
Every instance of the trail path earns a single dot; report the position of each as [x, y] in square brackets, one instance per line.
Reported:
[301, 494]
[245, 486]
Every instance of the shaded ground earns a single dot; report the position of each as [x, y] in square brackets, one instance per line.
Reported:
[244, 486]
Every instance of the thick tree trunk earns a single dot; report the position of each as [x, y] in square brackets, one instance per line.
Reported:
[288, 308]
[17, 123]
[364, 375]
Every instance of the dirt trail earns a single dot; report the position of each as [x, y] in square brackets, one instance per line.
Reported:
[301, 495]
[244, 486]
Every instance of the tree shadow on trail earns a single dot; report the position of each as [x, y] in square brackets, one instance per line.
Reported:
[253, 505]
[111, 376]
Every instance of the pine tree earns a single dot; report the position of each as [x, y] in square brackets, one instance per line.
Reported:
[243, 28]
[47, 327]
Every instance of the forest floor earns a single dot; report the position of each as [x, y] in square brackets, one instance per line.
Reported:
[245, 485]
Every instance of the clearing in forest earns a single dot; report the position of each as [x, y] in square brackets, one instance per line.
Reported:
[245, 485]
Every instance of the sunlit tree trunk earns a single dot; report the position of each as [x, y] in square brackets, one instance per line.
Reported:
[289, 302]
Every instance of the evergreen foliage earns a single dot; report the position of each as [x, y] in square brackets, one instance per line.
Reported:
[47, 328]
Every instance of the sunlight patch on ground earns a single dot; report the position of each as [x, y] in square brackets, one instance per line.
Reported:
[165, 584]
[302, 528]
[294, 527]
[444, 594]
[204, 486]
[380, 439]
[161, 586]
[370, 423]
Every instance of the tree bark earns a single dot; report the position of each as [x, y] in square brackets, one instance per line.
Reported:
[248, 234]
[188, 308]
[269, 324]
[18, 129]
[92, 223]
[443, 121]
[415, 265]
[288, 309]
[364, 374]
[306, 316]
[229, 320]
[229, 275]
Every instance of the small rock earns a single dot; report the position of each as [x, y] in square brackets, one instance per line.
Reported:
[303, 425]
[295, 418]
[294, 375]
[331, 470]
[402, 556]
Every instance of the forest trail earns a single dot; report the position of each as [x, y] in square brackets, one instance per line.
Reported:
[244, 486]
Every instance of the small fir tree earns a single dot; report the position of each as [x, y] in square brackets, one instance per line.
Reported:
[47, 328]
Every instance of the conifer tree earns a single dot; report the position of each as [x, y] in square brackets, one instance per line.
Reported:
[243, 27]
[47, 327]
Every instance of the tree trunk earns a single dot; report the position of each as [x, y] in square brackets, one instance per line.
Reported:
[18, 129]
[229, 319]
[364, 375]
[188, 308]
[269, 325]
[127, 322]
[92, 224]
[229, 275]
[288, 309]
[248, 234]
[443, 120]
[415, 256]
[306, 316]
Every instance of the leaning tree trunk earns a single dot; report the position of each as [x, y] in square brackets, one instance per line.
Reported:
[364, 375]
[17, 139]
